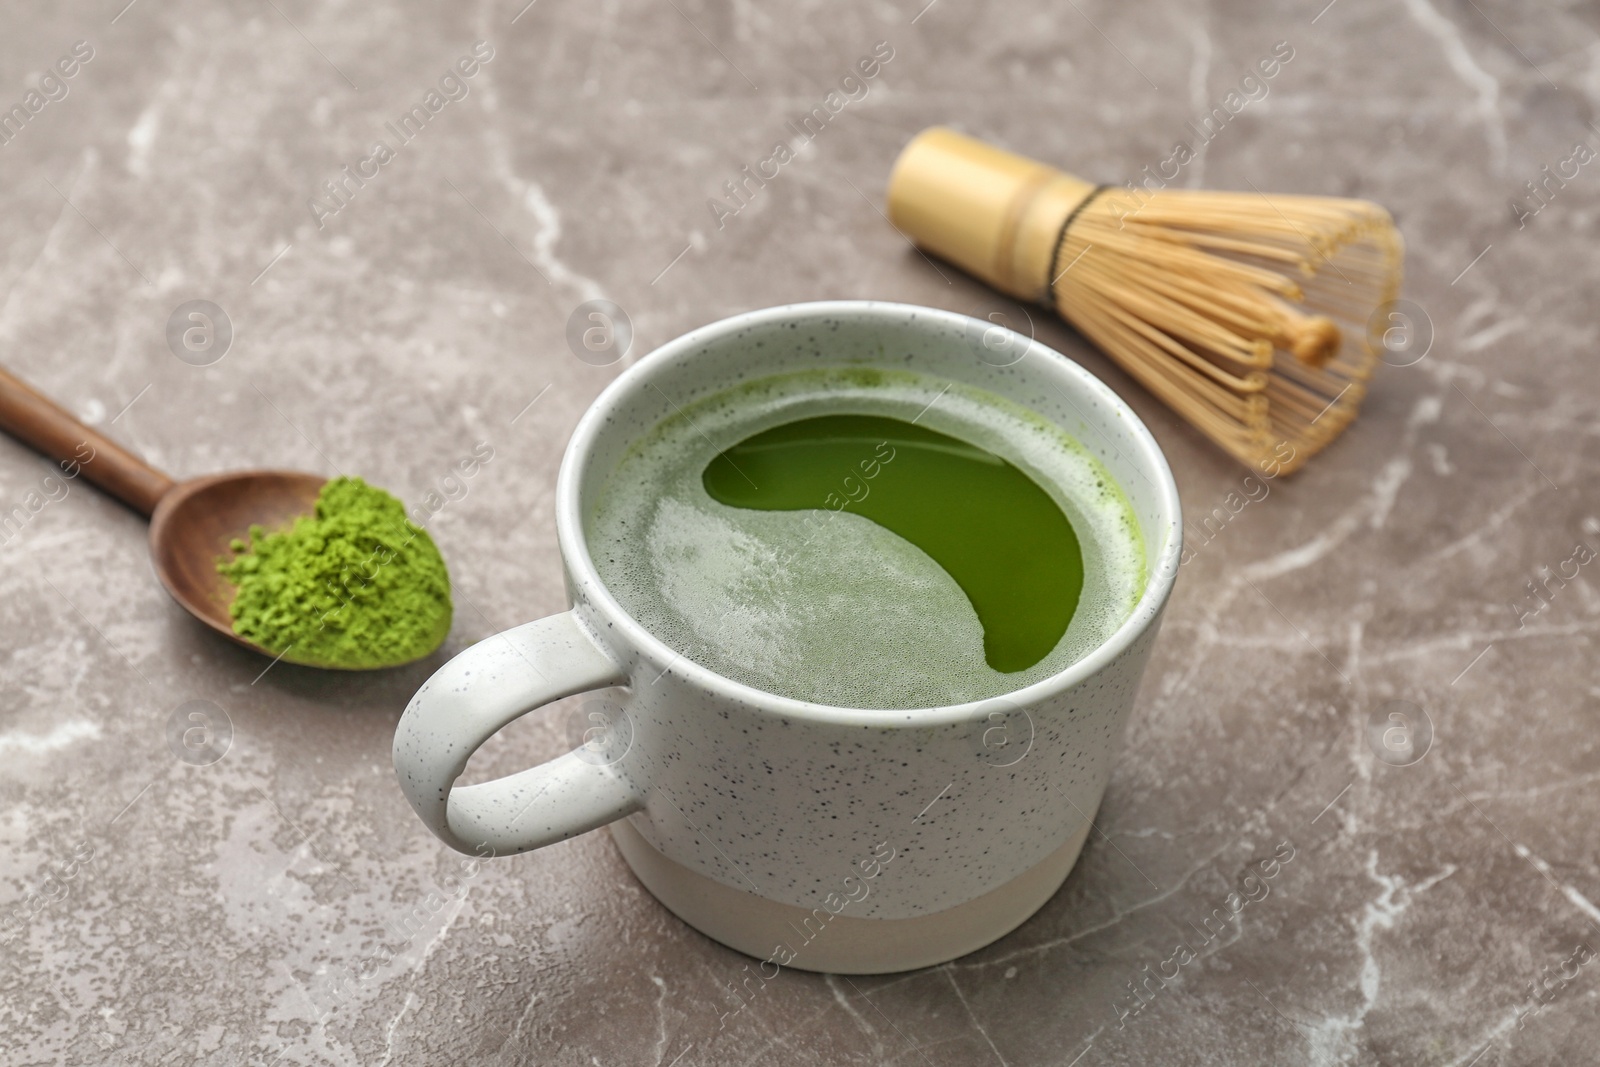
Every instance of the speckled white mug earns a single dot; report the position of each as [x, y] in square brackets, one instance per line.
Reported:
[822, 838]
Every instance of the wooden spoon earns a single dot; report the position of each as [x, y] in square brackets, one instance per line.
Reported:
[192, 523]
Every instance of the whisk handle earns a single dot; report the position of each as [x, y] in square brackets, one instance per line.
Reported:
[993, 213]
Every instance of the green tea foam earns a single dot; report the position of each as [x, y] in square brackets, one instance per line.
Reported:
[825, 605]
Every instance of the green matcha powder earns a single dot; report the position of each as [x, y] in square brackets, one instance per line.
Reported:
[354, 585]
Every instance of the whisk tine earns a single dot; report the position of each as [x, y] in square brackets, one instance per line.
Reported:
[1245, 313]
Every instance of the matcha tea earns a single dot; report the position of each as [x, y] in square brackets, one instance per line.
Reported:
[953, 500]
[867, 538]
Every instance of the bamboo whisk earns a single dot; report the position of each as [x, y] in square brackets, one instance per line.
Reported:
[1246, 314]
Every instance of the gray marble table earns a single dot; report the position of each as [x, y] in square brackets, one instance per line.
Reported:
[283, 905]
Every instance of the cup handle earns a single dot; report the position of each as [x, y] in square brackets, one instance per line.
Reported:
[470, 699]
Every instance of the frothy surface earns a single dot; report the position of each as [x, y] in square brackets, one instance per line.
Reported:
[829, 606]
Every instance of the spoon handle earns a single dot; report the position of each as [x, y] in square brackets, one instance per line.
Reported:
[36, 420]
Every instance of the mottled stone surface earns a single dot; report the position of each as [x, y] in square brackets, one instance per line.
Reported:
[274, 906]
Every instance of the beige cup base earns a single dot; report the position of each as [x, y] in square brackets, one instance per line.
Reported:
[846, 945]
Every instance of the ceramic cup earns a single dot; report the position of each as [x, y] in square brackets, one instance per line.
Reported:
[823, 838]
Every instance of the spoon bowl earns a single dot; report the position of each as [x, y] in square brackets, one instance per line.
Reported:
[196, 523]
